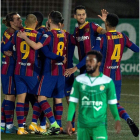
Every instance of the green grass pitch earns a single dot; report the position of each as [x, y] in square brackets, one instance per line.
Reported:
[129, 100]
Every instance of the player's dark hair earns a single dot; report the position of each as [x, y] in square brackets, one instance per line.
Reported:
[9, 17]
[112, 20]
[98, 54]
[39, 17]
[81, 7]
[56, 17]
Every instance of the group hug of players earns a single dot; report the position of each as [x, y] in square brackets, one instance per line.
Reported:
[38, 64]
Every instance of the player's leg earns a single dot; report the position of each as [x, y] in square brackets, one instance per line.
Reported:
[26, 109]
[58, 94]
[21, 90]
[58, 111]
[122, 112]
[48, 113]
[3, 119]
[99, 133]
[83, 134]
[45, 89]
[32, 99]
[8, 85]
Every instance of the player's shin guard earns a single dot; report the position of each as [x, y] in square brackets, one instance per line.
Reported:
[26, 109]
[20, 113]
[36, 112]
[3, 121]
[58, 113]
[47, 110]
[122, 113]
[9, 112]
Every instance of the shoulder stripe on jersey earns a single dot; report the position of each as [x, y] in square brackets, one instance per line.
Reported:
[112, 101]
[73, 99]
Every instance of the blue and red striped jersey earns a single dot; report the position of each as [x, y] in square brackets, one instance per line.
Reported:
[55, 41]
[112, 45]
[86, 37]
[27, 58]
[70, 46]
[8, 63]
[42, 29]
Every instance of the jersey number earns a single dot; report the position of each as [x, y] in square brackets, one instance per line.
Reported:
[60, 48]
[116, 53]
[26, 50]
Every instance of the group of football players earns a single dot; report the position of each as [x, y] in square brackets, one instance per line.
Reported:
[37, 64]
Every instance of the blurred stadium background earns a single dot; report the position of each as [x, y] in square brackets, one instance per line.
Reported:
[128, 12]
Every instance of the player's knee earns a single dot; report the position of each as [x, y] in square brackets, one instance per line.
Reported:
[11, 98]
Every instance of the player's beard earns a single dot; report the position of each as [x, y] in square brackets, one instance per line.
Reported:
[79, 23]
[91, 70]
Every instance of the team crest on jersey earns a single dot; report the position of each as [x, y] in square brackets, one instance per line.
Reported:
[87, 30]
[83, 87]
[102, 87]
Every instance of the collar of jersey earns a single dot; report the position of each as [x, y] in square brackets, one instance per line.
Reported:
[84, 25]
[100, 75]
[55, 29]
[112, 31]
[29, 28]
[41, 26]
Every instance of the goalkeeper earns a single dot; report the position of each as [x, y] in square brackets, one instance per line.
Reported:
[93, 91]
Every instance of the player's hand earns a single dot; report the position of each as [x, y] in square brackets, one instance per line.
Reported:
[22, 34]
[8, 53]
[69, 128]
[104, 15]
[70, 71]
[65, 59]
[118, 126]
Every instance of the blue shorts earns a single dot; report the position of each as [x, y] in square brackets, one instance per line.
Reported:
[8, 84]
[118, 84]
[51, 86]
[68, 85]
[26, 84]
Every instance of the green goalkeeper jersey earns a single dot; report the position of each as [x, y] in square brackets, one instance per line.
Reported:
[93, 95]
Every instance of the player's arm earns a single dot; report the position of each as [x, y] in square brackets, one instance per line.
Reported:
[51, 55]
[70, 71]
[131, 45]
[74, 97]
[31, 43]
[8, 45]
[112, 101]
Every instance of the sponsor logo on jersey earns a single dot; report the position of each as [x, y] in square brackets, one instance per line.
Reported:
[97, 105]
[82, 38]
[102, 87]
[4, 62]
[112, 67]
[24, 64]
